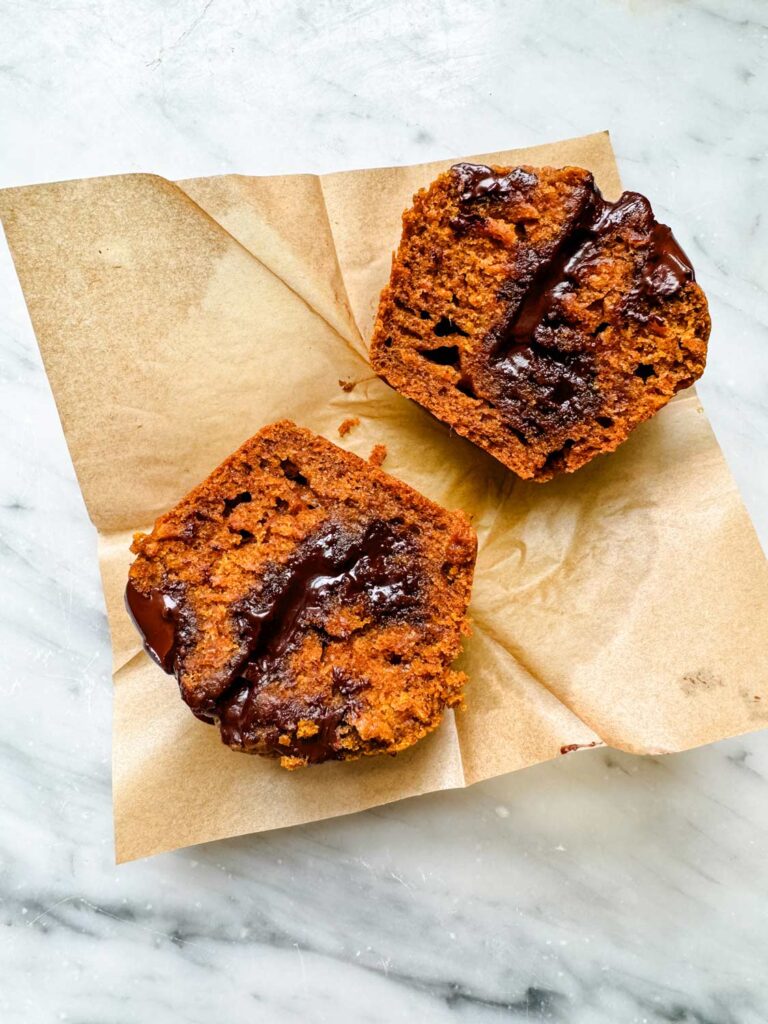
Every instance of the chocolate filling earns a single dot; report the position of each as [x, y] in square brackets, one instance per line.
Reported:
[538, 368]
[379, 567]
[477, 182]
[156, 616]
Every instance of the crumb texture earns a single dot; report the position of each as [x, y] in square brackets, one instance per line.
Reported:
[378, 455]
[308, 604]
[348, 424]
[534, 317]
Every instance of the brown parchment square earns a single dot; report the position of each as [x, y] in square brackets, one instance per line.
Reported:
[626, 604]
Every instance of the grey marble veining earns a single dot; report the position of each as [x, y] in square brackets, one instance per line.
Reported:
[601, 889]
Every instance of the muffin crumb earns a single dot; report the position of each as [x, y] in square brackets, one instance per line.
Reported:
[378, 455]
[534, 317]
[346, 425]
[309, 605]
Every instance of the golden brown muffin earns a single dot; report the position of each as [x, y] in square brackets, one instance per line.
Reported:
[307, 602]
[534, 317]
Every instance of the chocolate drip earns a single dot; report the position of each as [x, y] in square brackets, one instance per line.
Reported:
[156, 616]
[666, 268]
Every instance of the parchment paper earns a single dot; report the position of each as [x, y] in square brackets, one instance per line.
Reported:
[626, 604]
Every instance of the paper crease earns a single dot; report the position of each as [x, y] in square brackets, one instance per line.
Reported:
[261, 263]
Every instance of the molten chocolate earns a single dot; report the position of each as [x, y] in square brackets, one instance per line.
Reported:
[156, 616]
[540, 368]
[379, 566]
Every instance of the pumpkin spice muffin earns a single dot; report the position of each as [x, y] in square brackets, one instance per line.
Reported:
[308, 603]
[536, 318]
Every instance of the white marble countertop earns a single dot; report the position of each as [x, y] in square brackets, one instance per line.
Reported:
[600, 889]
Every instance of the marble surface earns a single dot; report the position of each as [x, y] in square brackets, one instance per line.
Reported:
[600, 889]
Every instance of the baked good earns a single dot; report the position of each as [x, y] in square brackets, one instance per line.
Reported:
[536, 318]
[348, 424]
[308, 603]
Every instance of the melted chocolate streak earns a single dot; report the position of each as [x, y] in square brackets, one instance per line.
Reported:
[326, 568]
[329, 566]
[524, 351]
[156, 617]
